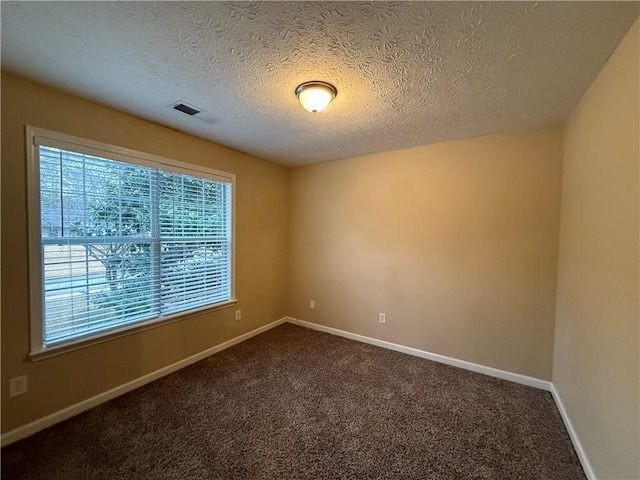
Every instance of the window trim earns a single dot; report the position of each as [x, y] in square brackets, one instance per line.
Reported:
[34, 138]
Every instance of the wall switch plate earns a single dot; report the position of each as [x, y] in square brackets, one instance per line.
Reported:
[382, 318]
[238, 314]
[18, 386]
[312, 304]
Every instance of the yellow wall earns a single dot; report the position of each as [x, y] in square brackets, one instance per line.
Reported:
[261, 270]
[596, 364]
[455, 242]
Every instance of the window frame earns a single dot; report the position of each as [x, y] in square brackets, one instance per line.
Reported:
[35, 137]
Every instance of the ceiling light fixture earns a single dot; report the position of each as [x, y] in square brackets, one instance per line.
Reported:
[315, 96]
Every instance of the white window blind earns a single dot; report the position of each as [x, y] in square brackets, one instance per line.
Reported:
[195, 241]
[124, 243]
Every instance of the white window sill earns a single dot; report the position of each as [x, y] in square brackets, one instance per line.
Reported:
[70, 346]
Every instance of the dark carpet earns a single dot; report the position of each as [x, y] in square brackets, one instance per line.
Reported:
[294, 403]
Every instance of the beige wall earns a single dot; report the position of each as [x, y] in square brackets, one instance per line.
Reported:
[596, 364]
[456, 242]
[261, 230]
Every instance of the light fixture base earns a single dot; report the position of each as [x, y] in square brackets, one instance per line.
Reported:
[314, 96]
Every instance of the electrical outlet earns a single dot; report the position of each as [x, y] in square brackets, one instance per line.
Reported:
[238, 314]
[17, 386]
[312, 304]
[382, 318]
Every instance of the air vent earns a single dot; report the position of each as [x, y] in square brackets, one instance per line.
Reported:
[195, 112]
[186, 109]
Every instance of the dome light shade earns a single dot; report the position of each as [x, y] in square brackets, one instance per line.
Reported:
[315, 96]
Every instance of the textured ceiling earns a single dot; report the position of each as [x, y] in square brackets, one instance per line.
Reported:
[406, 73]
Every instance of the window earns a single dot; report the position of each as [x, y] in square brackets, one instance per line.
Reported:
[120, 239]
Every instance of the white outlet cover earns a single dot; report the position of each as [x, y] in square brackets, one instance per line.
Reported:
[238, 314]
[312, 304]
[18, 386]
[382, 318]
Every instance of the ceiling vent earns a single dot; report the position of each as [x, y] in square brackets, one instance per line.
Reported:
[195, 112]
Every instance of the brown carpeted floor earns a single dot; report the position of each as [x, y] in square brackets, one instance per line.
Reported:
[294, 403]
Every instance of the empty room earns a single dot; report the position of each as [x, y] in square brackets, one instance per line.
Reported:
[320, 240]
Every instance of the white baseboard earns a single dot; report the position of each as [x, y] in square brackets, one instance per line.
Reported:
[577, 445]
[61, 415]
[494, 372]
[68, 412]
[454, 362]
